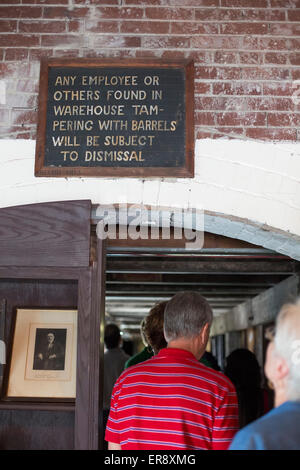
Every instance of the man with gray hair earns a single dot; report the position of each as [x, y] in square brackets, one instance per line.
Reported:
[172, 401]
[279, 429]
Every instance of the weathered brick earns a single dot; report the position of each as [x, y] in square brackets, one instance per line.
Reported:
[66, 53]
[102, 26]
[278, 89]
[38, 54]
[200, 57]
[284, 119]
[261, 133]
[266, 73]
[75, 26]
[285, 29]
[244, 28]
[179, 3]
[26, 86]
[202, 88]
[117, 41]
[21, 100]
[179, 27]
[251, 58]
[19, 40]
[165, 42]
[206, 73]
[227, 14]
[250, 43]
[20, 12]
[48, 40]
[203, 134]
[204, 118]
[119, 13]
[241, 119]
[231, 131]
[229, 73]
[93, 2]
[245, 53]
[225, 57]
[291, 44]
[284, 4]
[294, 58]
[145, 27]
[294, 14]
[16, 54]
[149, 54]
[233, 103]
[245, 3]
[48, 2]
[276, 58]
[295, 74]
[173, 54]
[63, 12]
[23, 118]
[42, 26]
[215, 42]
[237, 88]
[169, 13]
[8, 26]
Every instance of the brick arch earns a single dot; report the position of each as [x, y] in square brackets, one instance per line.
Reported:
[217, 223]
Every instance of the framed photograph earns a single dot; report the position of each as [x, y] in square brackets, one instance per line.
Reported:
[44, 350]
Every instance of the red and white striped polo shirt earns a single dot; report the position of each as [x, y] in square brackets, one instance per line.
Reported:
[172, 401]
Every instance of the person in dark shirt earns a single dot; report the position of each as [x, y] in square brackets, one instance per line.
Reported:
[243, 369]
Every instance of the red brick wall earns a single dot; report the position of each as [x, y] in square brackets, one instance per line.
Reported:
[246, 55]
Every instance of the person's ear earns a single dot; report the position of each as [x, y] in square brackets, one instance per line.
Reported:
[282, 368]
[205, 333]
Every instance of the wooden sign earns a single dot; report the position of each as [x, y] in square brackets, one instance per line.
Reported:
[115, 118]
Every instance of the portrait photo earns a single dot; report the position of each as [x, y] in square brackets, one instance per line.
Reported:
[43, 359]
[50, 349]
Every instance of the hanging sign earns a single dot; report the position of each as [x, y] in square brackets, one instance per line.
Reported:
[118, 118]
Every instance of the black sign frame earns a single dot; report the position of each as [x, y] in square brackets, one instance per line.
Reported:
[178, 140]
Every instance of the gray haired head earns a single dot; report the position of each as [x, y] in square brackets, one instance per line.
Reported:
[185, 315]
[287, 345]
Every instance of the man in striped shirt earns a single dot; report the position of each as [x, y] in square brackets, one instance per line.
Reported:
[171, 401]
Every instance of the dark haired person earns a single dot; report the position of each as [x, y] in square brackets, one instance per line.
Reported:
[243, 370]
[172, 401]
[152, 332]
[114, 360]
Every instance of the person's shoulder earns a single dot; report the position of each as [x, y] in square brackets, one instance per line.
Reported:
[138, 358]
[247, 438]
[257, 435]
[217, 377]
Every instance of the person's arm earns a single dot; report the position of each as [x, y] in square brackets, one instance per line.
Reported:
[112, 431]
[226, 422]
[114, 446]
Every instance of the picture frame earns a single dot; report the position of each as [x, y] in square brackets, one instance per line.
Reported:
[136, 118]
[43, 355]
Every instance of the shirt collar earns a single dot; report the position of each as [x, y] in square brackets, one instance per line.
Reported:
[176, 353]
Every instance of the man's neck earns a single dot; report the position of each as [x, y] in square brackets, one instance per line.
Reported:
[280, 397]
[187, 344]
